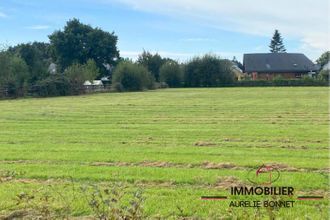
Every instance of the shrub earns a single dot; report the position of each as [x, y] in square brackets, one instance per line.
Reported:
[49, 201]
[78, 74]
[171, 74]
[152, 62]
[132, 77]
[13, 75]
[281, 82]
[37, 57]
[56, 85]
[208, 71]
[324, 74]
[118, 87]
[114, 202]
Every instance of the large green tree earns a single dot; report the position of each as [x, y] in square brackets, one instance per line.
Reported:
[276, 44]
[79, 42]
[171, 73]
[79, 73]
[152, 62]
[208, 71]
[37, 57]
[324, 58]
[13, 75]
[129, 76]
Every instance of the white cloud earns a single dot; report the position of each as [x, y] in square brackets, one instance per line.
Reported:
[38, 27]
[3, 15]
[306, 20]
[314, 44]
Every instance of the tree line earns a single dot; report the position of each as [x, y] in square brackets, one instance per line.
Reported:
[80, 52]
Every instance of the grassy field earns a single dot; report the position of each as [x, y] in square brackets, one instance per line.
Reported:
[175, 144]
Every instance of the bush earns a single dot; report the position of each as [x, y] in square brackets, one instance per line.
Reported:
[37, 57]
[56, 85]
[281, 82]
[13, 75]
[118, 87]
[132, 77]
[208, 71]
[78, 74]
[324, 74]
[171, 74]
[152, 62]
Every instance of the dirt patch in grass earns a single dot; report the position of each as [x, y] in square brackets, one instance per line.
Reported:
[211, 165]
[156, 164]
[18, 214]
[231, 140]
[83, 218]
[291, 147]
[204, 144]
[15, 161]
[111, 164]
[285, 167]
[128, 164]
[164, 164]
[24, 214]
[228, 181]
[324, 170]
[315, 192]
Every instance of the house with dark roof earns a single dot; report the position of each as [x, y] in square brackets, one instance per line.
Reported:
[267, 66]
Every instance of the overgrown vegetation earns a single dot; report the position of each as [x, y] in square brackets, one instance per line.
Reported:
[113, 201]
[54, 85]
[208, 71]
[13, 75]
[325, 75]
[172, 74]
[37, 56]
[129, 76]
[306, 81]
[153, 62]
[76, 54]
[78, 43]
[77, 74]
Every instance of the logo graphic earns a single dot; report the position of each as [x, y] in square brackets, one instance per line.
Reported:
[264, 175]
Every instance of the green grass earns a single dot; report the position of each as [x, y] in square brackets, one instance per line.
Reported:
[60, 138]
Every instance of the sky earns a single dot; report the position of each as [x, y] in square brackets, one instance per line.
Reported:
[180, 29]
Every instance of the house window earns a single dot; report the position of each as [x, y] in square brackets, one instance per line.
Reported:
[298, 75]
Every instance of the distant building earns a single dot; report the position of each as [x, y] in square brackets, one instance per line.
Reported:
[87, 83]
[97, 83]
[267, 66]
[106, 80]
[94, 86]
[239, 75]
